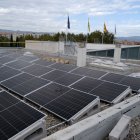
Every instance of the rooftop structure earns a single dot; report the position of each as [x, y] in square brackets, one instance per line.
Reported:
[66, 93]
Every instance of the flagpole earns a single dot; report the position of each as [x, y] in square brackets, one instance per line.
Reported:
[66, 34]
[67, 27]
[102, 38]
[115, 34]
[104, 31]
[88, 30]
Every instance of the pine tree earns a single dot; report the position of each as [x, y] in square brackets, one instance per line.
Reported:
[11, 40]
[17, 40]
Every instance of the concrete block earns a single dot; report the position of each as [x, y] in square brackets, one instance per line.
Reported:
[117, 54]
[36, 131]
[81, 57]
[121, 130]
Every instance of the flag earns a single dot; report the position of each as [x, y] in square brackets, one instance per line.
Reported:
[88, 26]
[68, 23]
[115, 30]
[105, 29]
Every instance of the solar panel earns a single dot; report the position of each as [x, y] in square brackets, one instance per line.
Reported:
[54, 75]
[12, 82]
[112, 77]
[29, 86]
[69, 104]
[44, 62]
[6, 100]
[6, 59]
[3, 69]
[9, 72]
[47, 94]
[95, 74]
[109, 91]
[68, 79]
[1, 55]
[28, 58]
[17, 117]
[124, 80]
[18, 64]
[57, 65]
[37, 70]
[81, 71]
[16, 55]
[87, 84]
[133, 82]
[64, 67]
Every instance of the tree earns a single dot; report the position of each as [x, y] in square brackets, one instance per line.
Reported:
[108, 38]
[95, 37]
[11, 40]
[4, 39]
[17, 40]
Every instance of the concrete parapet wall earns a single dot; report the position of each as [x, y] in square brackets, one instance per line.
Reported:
[92, 46]
[100, 47]
[45, 46]
[98, 126]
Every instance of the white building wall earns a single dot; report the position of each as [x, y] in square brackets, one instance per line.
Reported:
[45, 46]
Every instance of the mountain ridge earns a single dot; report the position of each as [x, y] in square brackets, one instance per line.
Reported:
[130, 38]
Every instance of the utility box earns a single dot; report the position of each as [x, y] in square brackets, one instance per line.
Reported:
[121, 130]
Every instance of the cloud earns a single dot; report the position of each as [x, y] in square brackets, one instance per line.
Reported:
[51, 15]
[4, 11]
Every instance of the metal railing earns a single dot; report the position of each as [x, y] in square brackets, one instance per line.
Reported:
[12, 44]
[71, 46]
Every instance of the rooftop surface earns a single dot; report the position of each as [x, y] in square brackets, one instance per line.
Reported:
[53, 123]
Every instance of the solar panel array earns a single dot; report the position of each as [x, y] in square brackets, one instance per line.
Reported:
[15, 116]
[24, 84]
[87, 84]
[7, 72]
[112, 77]
[18, 64]
[47, 94]
[63, 67]
[69, 104]
[54, 75]
[37, 70]
[53, 83]
[89, 72]
[61, 89]
[108, 91]
[29, 58]
[61, 100]
[68, 79]
[132, 82]
[6, 59]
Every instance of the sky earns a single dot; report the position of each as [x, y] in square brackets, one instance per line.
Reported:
[51, 15]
